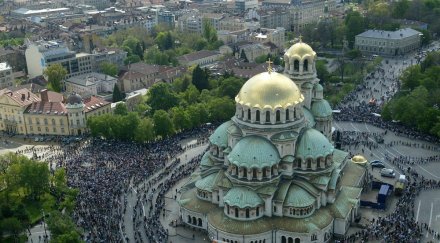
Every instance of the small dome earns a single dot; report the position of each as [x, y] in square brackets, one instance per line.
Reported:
[321, 108]
[74, 99]
[207, 183]
[242, 197]
[359, 159]
[220, 135]
[313, 144]
[298, 198]
[310, 120]
[318, 87]
[269, 90]
[234, 130]
[254, 152]
[307, 85]
[300, 49]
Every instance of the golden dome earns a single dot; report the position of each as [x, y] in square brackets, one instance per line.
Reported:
[359, 159]
[269, 90]
[300, 49]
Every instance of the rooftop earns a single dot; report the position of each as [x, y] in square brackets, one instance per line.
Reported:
[93, 103]
[398, 34]
[196, 56]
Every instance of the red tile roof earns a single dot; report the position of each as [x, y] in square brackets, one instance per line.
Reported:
[22, 97]
[94, 103]
[48, 108]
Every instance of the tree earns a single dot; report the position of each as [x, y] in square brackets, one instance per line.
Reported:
[109, 69]
[62, 228]
[144, 131]
[163, 126]
[230, 87]
[243, 56]
[180, 118]
[121, 109]
[55, 74]
[200, 78]
[221, 109]
[190, 95]
[355, 25]
[209, 32]
[132, 59]
[162, 97]
[117, 94]
[400, 8]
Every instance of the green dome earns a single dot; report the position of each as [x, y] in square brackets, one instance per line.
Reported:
[321, 108]
[234, 130]
[207, 183]
[318, 87]
[310, 120]
[298, 198]
[254, 152]
[242, 197]
[313, 144]
[220, 135]
[307, 85]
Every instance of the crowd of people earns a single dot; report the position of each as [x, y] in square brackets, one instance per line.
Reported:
[400, 225]
[105, 170]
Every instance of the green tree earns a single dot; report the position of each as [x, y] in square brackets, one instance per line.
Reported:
[400, 8]
[132, 59]
[121, 109]
[109, 69]
[162, 97]
[11, 226]
[200, 78]
[144, 131]
[221, 109]
[230, 87]
[355, 24]
[190, 95]
[209, 32]
[55, 73]
[62, 228]
[163, 126]
[243, 56]
[180, 118]
[117, 94]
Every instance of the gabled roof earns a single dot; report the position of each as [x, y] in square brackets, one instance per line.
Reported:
[21, 97]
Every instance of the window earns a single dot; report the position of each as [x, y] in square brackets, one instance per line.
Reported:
[236, 212]
[45, 121]
[31, 128]
[47, 129]
[39, 129]
[258, 211]
[278, 115]
[275, 209]
[54, 129]
[77, 122]
[53, 121]
[62, 130]
[267, 116]
[306, 66]
[287, 115]
[61, 122]
[257, 116]
[249, 114]
[296, 66]
[247, 213]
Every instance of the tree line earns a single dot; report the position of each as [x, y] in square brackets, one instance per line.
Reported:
[30, 192]
[417, 104]
[169, 108]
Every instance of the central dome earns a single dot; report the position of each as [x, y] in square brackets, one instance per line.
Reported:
[269, 90]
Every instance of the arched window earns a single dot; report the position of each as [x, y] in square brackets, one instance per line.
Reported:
[264, 173]
[296, 66]
[194, 221]
[200, 222]
[257, 116]
[306, 65]
[267, 116]
[258, 211]
[189, 219]
[53, 121]
[294, 113]
[236, 171]
[287, 115]
[299, 163]
[242, 113]
[278, 116]
[297, 240]
[249, 114]
[236, 212]
[227, 208]
[247, 213]
[309, 163]
[244, 172]
[290, 240]
[254, 173]
[283, 239]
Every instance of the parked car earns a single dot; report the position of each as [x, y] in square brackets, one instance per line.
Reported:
[377, 164]
[387, 172]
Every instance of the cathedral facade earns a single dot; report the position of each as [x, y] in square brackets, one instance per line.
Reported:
[272, 173]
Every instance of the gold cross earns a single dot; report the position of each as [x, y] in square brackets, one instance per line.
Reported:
[300, 38]
[269, 68]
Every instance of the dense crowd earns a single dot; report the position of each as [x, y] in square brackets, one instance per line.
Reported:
[105, 170]
[400, 225]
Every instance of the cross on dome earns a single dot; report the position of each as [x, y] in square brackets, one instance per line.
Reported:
[269, 68]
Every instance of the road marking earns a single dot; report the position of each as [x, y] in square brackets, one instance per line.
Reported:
[430, 217]
[428, 171]
[418, 211]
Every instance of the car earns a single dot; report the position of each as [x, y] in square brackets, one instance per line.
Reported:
[387, 172]
[377, 164]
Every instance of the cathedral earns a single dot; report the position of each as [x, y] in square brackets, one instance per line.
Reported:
[272, 173]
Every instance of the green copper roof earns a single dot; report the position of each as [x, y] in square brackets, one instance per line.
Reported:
[206, 160]
[318, 87]
[190, 201]
[288, 159]
[281, 193]
[284, 136]
[306, 186]
[321, 180]
[313, 144]
[334, 179]
[220, 135]
[254, 152]
[223, 181]
[298, 197]
[234, 130]
[267, 190]
[242, 197]
[310, 120]
[307, 85]
[343, 204]
[321, 108]
[207, 183]
[338, 157]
